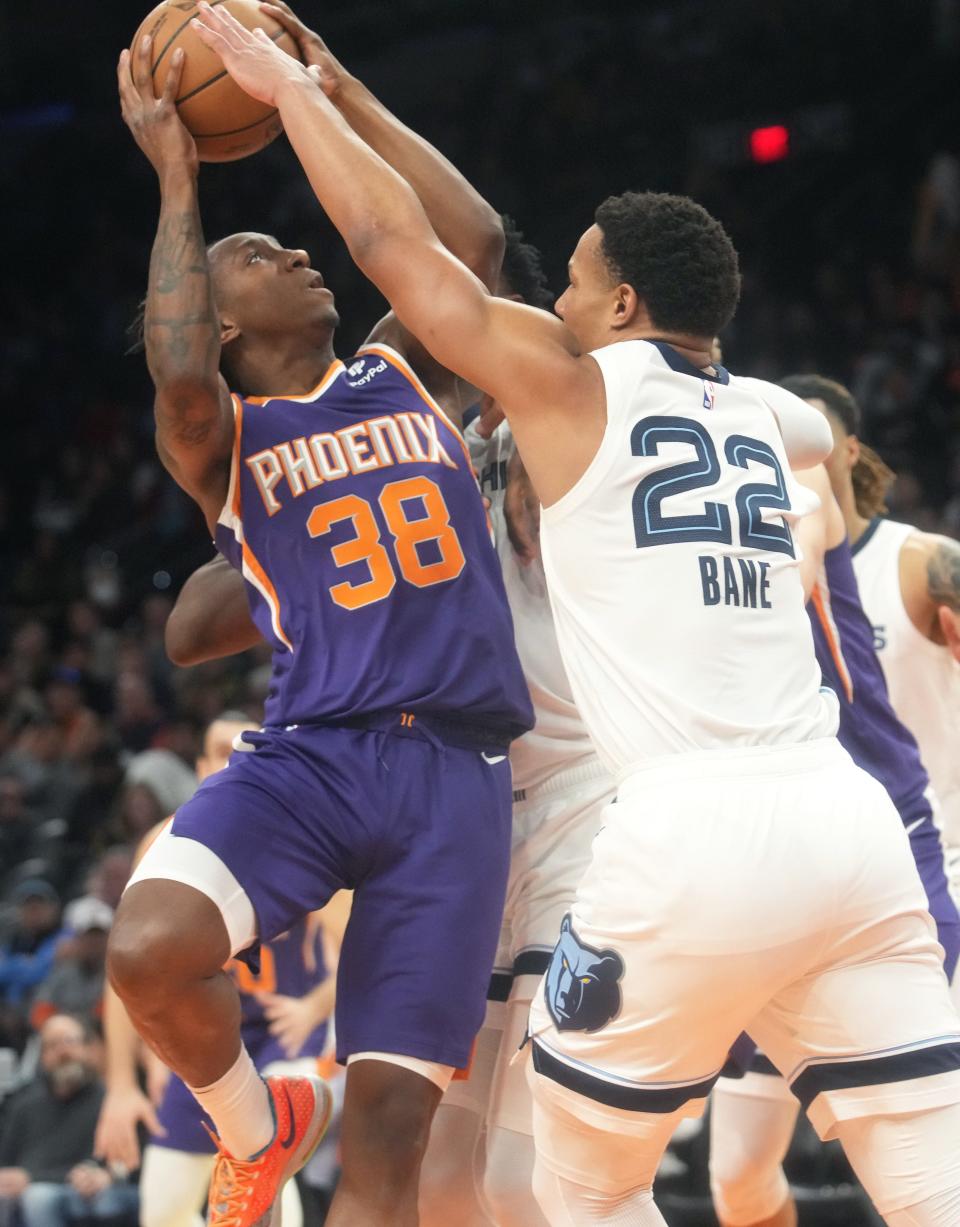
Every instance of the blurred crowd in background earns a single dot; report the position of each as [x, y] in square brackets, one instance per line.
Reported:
[851, 257]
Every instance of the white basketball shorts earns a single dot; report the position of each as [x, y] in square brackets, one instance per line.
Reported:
[767, 890]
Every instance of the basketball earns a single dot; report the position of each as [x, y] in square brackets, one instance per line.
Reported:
[226, 123]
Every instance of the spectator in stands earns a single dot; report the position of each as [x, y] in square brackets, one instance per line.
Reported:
[17, 822]
[66, 705]
[47, 1170]
[27, 956]
[75, 986]
[105, 882]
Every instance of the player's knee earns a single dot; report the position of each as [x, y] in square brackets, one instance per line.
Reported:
[508, 1179]
[447, 1186]
[396, 1129]
[162, 937]
[747, 1181]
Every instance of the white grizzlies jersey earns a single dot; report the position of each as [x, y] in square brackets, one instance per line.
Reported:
[922, 677]
[672, 571]
[559, 739]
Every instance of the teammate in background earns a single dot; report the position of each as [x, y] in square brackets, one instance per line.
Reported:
[482, 1136]
[709, 906]
[909, 584]
[284, 1010]
[753, 1118]
[342, 493]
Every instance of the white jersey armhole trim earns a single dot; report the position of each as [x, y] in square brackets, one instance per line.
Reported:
[598, 467]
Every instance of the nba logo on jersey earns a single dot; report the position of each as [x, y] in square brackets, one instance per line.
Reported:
[709, 394]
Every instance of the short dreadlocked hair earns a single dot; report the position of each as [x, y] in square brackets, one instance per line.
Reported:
[871, 478]
[678, 258]
[523, 267]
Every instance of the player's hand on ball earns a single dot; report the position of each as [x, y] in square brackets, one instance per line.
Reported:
[154, 122]
[255, 63]
[314, 51]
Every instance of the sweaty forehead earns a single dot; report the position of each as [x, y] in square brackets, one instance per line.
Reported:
[235, 244]
[588, 253]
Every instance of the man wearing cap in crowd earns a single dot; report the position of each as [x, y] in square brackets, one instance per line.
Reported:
[75, 985]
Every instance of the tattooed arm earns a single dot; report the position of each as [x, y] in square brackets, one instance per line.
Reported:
[930, 585]
[194, 416]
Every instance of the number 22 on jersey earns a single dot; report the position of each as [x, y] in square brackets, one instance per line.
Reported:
[654, 527]
[400, 553]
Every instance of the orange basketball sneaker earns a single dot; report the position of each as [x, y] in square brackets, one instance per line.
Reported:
[246, 1192]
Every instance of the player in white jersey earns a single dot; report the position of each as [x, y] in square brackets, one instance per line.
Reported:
[560, 791]
[910, 587]
[710, 906]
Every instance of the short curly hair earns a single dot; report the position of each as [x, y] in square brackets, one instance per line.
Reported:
[678, 258]
[523, 267]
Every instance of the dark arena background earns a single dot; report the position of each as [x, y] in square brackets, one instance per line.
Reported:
[823, 133]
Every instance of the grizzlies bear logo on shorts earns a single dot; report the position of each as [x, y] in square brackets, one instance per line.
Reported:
[582, 988]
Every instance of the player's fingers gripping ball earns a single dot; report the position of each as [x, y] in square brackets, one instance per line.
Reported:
[226, 122]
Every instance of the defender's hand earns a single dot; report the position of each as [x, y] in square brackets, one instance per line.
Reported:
[154, 122]
[491, 415]
[257, 65]
[313, 50]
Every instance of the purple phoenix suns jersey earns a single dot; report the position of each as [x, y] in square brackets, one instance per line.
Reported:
[869, 728]
[355, 517]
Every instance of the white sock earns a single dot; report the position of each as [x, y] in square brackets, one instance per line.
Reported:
[239, 1105]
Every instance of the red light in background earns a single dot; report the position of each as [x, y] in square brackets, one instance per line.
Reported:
[770, 144]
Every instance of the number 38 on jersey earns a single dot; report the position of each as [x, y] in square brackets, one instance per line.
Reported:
[666, 509]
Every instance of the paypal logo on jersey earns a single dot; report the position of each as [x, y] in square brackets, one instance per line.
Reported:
[358, 380]
[582, 987]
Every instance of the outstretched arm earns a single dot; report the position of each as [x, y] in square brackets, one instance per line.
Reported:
[521, 356]
[463, 221]
[211, 618]
[194, 417]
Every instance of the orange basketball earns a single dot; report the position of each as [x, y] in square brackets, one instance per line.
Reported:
[225, 122]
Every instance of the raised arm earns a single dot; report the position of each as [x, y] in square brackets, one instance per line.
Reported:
[463, 221]
[806, 433]
[819, 529]
[523, 357]
[211, 618]
[194, 417]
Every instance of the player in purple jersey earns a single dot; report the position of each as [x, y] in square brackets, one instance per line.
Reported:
[343, 494]
[753, 1118]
